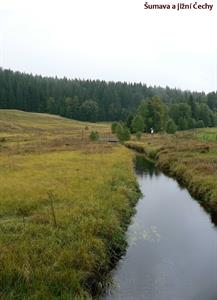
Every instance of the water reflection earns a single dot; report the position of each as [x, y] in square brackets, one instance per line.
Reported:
[144, 166]
[172, 253]
[213, 216]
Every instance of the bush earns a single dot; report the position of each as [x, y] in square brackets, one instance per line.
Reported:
[94, 136]
[114, 126]
[122, 133]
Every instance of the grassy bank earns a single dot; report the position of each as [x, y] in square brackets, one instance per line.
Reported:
[65, 204]
[190, 157]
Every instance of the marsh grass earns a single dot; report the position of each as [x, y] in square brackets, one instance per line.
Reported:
[65, 206]
[190, 156]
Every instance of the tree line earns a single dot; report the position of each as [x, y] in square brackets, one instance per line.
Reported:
[95, 100]
[154, 115]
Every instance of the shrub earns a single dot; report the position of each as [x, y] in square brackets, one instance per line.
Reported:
[94, 136]
[122, 133]
[114, 126]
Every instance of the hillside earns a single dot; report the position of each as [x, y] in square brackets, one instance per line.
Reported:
[23, 131]
[16, 120]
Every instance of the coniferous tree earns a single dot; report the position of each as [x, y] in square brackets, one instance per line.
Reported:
[95, 100]
[89, 111]
[154, 113]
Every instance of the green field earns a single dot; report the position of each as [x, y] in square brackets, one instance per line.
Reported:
[65, 204]
[208, 134]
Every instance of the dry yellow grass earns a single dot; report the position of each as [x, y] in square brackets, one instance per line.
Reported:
[190, 156]
[31, 132]
[65, 204]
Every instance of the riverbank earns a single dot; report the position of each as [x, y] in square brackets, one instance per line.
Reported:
[172, 242]
[65, 205]
[188, 158]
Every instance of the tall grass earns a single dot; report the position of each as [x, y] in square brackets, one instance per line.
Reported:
[63, 210]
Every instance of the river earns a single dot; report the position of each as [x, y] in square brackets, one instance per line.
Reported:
[172, 253]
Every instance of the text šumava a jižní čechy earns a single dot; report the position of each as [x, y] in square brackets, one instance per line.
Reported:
[180, 6]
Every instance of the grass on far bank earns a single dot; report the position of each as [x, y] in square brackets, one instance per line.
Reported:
[65, 204]
[189, 156]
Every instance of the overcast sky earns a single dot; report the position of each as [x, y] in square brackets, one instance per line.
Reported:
[111, 40]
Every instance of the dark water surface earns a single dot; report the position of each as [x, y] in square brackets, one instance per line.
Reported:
[172, 252]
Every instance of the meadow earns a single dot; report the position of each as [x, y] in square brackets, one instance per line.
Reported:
[189, 156]
[65, 203]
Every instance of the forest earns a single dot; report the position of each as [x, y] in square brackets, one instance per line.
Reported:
[96, 100]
